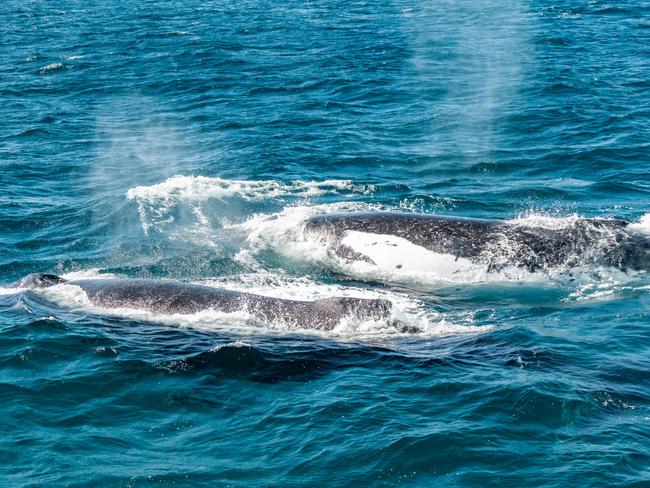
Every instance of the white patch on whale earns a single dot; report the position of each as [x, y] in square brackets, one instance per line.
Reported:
[398, 260]
[392, 252]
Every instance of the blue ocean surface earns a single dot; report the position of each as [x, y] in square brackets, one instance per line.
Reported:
[190, 140]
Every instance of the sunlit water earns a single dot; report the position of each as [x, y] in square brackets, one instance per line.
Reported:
[190, 140]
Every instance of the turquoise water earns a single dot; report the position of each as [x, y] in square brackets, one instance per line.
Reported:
[189, 140]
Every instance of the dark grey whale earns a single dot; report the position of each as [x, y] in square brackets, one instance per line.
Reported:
[496, 243]
[169, 297]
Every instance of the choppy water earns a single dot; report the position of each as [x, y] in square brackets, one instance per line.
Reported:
[189, 140]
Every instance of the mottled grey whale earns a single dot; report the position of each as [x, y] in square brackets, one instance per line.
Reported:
[169, 297]
[497, 243]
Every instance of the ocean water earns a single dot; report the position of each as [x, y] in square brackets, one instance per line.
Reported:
[190, 140]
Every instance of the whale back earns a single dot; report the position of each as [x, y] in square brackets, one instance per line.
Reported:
[173, 297]
[466, 237]
[495, 243]
[158, 296]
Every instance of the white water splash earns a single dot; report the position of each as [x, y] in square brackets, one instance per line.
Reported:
[201, 188]
[50, 68]
[642, 225]
[552, 222]
[156, 203]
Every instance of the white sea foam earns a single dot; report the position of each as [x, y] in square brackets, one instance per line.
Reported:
[88, 274]
[51, 67]
[201, 188]
[283, 232]
[642, 225]
[10, 291]
[609, 287]
[231, 344]
[545, 221]
[157, 202]
[554, 222]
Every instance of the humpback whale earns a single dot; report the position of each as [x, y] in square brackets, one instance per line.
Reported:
[174, 297]
[494, 243]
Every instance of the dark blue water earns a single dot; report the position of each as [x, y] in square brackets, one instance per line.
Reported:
[156, 139]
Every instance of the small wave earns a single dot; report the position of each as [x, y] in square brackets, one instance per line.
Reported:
[10, 291]
[606, 284]
[51, 68]
[88, 274]
[235, 344]
[201, 188]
